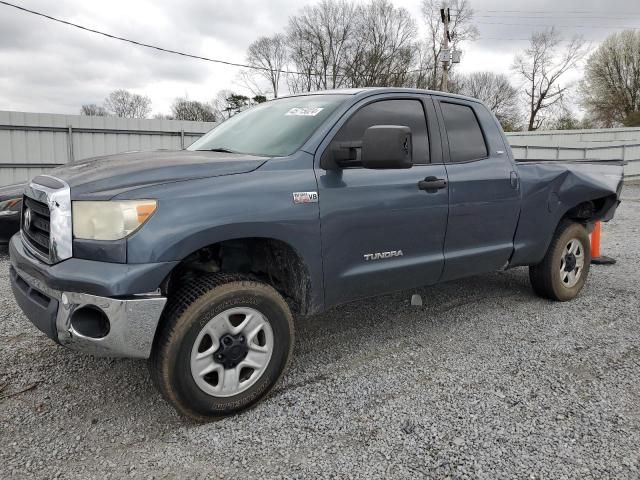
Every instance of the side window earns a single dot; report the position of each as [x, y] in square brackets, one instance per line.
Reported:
[409, 113]
[463, 131]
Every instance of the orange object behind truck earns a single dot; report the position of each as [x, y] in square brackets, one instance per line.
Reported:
[595, 248]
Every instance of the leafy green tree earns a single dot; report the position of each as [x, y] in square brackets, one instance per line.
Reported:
[566, 121]
[236, 102]
[632, 120]
[611, 86]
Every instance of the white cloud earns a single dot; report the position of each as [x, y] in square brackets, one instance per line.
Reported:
[51, 67]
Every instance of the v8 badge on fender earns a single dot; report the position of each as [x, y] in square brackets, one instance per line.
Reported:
[305, 197]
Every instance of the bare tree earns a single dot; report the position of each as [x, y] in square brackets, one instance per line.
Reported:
[343, 43]
[128, 105]
[302, 54]
[541, 66]
[385, 48]
[163, 116]
[252, 81]
[269, 56]
[497, 93]
[93, 110]
[461, 28]
[185, 109]
[611, 86]
[319, 43]
[220, 104]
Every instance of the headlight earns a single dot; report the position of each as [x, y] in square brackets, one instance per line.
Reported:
[110, 220]
[10, 207]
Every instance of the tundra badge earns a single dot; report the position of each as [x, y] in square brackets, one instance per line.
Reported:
[380, 255]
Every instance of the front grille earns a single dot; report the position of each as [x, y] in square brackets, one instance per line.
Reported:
[37, 232]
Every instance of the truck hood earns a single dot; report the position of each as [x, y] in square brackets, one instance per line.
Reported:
[10, 192]
[107, 176]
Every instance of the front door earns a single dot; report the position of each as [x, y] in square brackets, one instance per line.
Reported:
[381, 229]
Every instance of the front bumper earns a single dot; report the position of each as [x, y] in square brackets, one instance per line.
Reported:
[132, 319]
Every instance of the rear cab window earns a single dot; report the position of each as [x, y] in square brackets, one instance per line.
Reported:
[466, 141]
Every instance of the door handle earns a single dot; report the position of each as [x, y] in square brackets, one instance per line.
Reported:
[432, 184]
[515, 180]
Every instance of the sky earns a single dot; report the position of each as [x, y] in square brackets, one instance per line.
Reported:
[49, 67]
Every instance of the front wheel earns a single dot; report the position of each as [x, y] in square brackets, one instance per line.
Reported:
[564, 269]
[223, 345]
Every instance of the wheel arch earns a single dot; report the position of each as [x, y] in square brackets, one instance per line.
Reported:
[534, 235]
[589, 211]
[266, 258]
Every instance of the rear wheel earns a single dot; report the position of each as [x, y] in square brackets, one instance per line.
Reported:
[224, 343]
[563, 271]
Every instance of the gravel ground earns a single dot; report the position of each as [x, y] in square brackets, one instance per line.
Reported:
[484, 381]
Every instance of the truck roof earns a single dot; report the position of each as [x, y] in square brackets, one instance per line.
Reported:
[365, 91]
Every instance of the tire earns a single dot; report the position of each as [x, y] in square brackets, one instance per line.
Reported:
[197, 321]
[556, 277]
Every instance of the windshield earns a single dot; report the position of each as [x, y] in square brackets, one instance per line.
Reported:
[276, 128]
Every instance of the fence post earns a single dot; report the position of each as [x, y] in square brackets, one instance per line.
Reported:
[558, 152]
[584, 153]
[182, 139]
[526, 152]
[69, 143]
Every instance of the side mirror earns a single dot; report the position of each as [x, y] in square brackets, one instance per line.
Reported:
[387, 146]
[341, 155]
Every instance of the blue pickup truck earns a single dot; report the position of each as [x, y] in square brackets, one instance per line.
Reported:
[198, 259]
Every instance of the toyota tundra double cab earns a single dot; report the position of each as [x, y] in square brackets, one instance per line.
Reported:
[197, 260]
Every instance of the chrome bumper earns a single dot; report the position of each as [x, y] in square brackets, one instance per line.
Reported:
[132, 321]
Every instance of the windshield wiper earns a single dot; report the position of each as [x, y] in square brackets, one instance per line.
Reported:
[219, 149]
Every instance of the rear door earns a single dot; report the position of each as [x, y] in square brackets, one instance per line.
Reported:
[484, 200]
[380, 231]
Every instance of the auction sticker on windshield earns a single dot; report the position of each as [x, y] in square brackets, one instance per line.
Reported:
[304, 111]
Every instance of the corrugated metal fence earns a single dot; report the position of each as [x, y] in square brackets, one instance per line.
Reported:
[604, 144]
[32, 143]
[573, 138]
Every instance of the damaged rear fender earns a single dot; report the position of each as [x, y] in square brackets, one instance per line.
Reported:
[552, 191]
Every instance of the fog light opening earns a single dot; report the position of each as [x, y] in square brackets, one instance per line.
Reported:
[90, 322]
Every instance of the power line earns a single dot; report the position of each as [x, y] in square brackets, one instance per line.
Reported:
[558, 25]
[556, 12]
[550, 17]
[176, 52]
[480, 39]
[142, 44]
[242, 65]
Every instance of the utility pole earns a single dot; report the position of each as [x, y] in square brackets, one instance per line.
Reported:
[445, 54]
